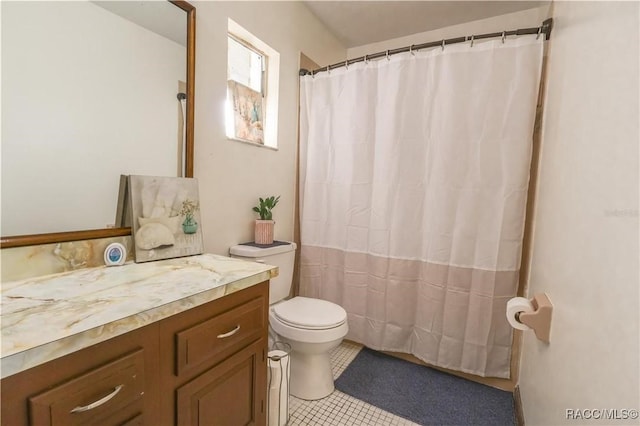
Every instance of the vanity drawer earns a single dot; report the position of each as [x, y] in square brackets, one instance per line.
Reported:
[220, 336]
[111, 394]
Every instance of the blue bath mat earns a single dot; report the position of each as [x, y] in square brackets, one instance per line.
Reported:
[422, 394]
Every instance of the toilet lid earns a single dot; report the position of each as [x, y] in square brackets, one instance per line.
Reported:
[304, 312]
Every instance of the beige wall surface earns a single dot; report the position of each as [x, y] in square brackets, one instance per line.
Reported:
[232, 175]
[585, 240]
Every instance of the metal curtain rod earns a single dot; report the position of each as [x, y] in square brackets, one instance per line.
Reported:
[545, 29]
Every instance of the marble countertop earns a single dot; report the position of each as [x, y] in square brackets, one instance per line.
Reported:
[48, 317]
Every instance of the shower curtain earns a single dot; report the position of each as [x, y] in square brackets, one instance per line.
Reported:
[413, 185]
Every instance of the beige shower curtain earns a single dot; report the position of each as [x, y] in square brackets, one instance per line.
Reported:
[413, 186]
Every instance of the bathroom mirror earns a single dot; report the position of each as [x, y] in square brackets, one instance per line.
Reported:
[89, 93]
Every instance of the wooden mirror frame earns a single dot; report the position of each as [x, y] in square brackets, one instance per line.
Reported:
[59, 237]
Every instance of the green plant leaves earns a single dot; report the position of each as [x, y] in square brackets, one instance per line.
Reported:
[265, 207]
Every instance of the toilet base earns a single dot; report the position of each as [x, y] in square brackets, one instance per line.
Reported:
[311, 376]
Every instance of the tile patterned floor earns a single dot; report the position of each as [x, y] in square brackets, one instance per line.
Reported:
[340, 409]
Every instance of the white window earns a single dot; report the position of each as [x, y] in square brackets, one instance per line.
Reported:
[247, 65]
[251, 110]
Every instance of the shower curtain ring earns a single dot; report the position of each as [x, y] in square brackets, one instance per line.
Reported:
[346, 64]
[366, 59]
[539, 32]
[388, 56]
[411, 50]
[503, 36]
[328, 70]
[442, 44]
[472, 37]
[313, 74]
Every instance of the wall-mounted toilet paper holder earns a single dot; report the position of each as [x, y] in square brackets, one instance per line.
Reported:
[540, 319]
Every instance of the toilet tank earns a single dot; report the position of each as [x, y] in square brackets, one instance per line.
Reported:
[282, 256]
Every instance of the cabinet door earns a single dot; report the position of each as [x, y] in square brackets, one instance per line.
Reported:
[231, 393]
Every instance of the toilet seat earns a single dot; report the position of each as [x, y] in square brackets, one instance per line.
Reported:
[331, 320]
[310, 314]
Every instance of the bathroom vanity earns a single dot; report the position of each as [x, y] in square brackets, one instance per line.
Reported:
[181, 341]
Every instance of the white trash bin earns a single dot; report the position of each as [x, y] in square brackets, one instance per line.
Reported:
[279, 370]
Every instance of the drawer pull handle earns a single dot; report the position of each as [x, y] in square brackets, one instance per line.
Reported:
[229, 334]
[98, 402]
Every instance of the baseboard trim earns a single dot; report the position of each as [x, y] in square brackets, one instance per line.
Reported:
[517, 406]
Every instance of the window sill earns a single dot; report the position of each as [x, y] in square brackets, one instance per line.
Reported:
[273, 148]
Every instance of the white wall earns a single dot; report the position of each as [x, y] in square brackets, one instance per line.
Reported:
[86, 96]
[585, 251]
[232, 175]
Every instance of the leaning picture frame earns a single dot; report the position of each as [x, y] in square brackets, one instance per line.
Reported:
[123, 207]
[165, 217]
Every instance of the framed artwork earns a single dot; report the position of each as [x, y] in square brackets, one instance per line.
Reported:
[165, 217]
[247, 113]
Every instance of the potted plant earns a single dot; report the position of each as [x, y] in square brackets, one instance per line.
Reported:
[189, 207]
[264, 226]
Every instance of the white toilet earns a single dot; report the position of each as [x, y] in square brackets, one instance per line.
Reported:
[312, 327]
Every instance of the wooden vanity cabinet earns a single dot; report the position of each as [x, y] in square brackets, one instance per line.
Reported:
[213, 361]
[205, 366]
[111, 383]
